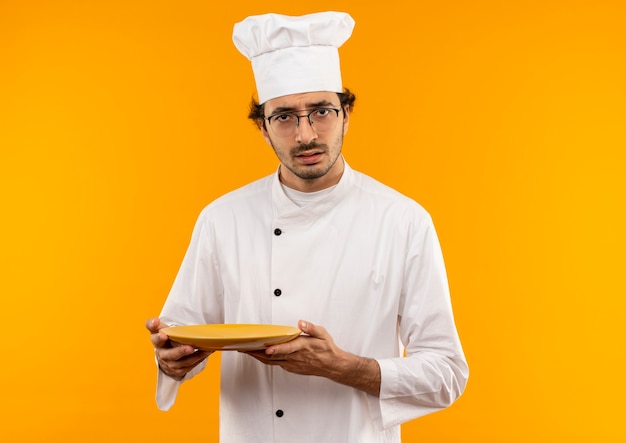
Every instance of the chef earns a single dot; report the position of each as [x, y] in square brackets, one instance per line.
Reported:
[354, 264]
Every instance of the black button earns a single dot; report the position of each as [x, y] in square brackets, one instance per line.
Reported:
[279, 413]
[277, 231]
[277, 292]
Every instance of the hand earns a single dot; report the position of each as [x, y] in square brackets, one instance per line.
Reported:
[317, 354]
[174, 359]
[311, 354]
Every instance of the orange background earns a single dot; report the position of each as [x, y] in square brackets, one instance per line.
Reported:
[120, 120]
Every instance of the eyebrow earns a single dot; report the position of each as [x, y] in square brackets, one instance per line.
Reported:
[320, 104]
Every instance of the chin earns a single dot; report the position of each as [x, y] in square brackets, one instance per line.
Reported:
[311, 175]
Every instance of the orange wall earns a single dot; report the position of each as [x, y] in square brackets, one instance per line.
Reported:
[121, 119]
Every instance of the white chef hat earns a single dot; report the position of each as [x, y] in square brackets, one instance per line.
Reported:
[294, 54]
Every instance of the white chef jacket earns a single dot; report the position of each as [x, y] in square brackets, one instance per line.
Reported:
[365, 263]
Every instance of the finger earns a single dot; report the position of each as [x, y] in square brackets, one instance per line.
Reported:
[159, 339]
[154, 325]
[174, 359]
[175, 353]
[178, 368]
[266, 359]
[289, 347]
[193, 359]
[313, 330]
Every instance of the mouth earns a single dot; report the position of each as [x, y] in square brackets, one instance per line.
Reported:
[309, 157]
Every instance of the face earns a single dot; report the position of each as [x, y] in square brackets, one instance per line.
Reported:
[309, 161]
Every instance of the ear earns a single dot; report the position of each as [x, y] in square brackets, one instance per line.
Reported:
[264, 133]
[346, 119]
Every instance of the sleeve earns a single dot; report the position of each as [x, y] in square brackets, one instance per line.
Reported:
[434, 372]
[195, 298]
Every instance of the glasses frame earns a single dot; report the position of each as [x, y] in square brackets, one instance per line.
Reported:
[298, 116]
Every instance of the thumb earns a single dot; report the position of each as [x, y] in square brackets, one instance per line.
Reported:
[155, 324]
[312, 330]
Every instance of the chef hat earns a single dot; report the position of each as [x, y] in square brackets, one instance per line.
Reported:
[294, 54]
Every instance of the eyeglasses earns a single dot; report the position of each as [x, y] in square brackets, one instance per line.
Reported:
[285, 124]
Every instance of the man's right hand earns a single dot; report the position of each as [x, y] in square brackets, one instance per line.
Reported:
[174, 360]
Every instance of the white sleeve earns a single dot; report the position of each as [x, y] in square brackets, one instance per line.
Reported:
[195, 298]
[434, 372]
[167, 387]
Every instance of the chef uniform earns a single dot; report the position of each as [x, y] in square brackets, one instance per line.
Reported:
[359, 258]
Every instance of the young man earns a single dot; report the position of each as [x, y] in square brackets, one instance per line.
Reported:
[356, 265]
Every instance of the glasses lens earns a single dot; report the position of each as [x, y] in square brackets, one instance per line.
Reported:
[284, 125]
[324, 120]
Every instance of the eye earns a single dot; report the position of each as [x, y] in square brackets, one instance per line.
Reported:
[322, 112]
[281, 118]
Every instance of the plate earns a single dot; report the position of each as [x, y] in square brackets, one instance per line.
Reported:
[231, 337]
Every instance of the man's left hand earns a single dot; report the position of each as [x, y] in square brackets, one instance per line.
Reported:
[317, 354]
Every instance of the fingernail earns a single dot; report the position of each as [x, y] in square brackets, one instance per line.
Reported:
[304, 325]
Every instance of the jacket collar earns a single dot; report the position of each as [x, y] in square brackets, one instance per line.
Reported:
[287, 211]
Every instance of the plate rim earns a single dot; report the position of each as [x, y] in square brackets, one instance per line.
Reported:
[234, 343]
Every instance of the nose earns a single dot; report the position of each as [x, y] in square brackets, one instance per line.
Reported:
[305, 133]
